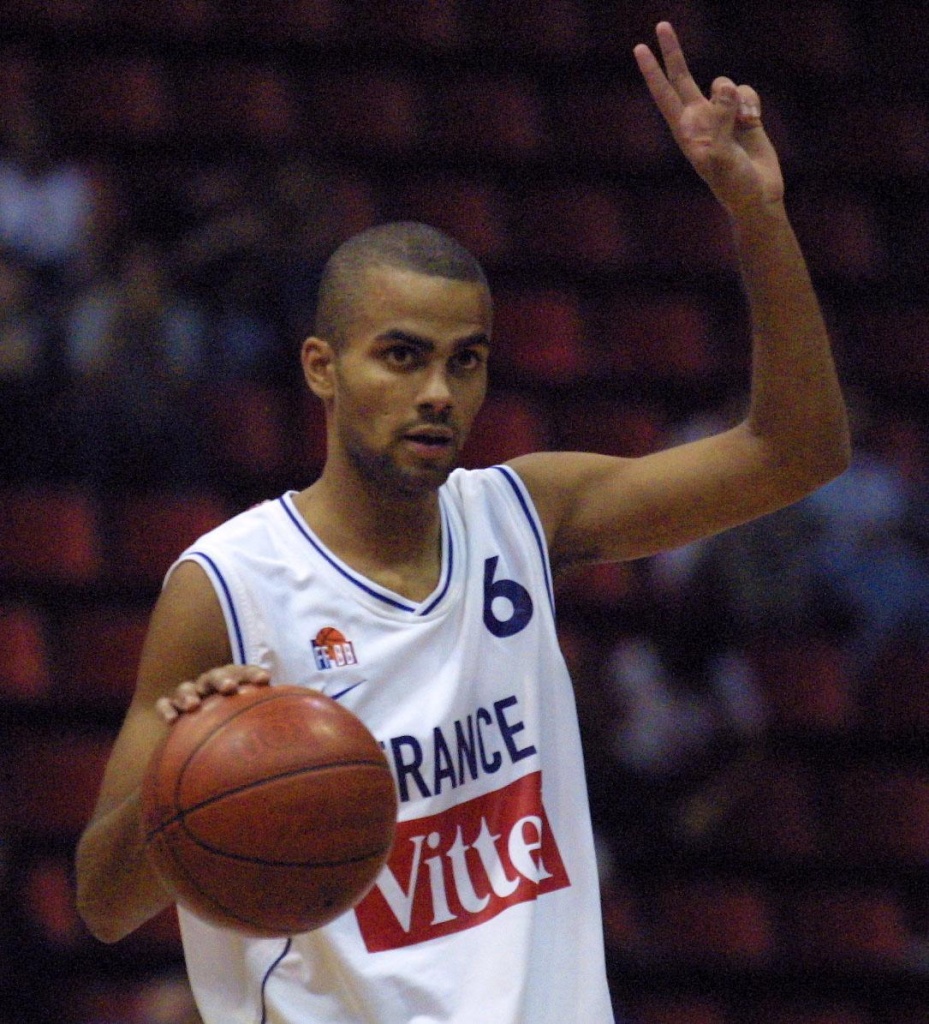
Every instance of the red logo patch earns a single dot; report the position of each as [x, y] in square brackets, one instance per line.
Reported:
[457, 869]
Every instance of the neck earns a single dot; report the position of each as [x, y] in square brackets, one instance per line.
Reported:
[392, 538]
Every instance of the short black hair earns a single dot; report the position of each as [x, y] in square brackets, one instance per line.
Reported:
[401, 245]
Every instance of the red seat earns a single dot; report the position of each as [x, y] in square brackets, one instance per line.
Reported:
[841, 233]
[294, 21]
[896, 695]
[488, 117]
[154, 991]
[508, 425]
[54, 782]
[46, 894]
[149, 531]
[622, 922]
[797, 45]
[420, 24]
[667, 338]
[893, 344]
[62, 16]
[99, 648]
[541, 335]
[713, 922]
[50, 534]
[765, 808]
[549, 28]
[850, 144]
[252, 104]
[604, 585]
[24, 668]
[117, 98]
[608, 427]
[814, 1015]
[473, 212]
[575, 226]
[806, 684]
[246, 426]
[365, 111]
[619, 124]
[685, 230]
[849, 925]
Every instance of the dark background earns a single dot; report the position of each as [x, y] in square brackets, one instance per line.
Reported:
[173, 174]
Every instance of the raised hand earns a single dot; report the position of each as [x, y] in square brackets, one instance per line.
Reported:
[721, 135]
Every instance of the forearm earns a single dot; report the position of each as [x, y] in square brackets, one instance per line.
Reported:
[796, 408]
[117, 889]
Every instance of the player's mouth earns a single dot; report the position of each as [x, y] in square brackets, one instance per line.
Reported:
[430, 441]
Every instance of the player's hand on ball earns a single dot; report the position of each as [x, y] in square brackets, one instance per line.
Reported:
[227, 680]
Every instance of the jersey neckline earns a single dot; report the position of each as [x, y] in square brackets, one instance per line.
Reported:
[368, 591]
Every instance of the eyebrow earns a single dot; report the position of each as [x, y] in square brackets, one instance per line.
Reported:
[424, 343]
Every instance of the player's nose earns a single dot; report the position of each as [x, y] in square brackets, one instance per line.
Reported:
[436, 390]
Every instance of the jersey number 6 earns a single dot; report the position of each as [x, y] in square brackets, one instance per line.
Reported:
[508, 595]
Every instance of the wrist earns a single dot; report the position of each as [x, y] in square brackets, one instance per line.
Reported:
[757, 214]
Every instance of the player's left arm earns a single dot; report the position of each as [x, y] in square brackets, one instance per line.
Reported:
[794, 437]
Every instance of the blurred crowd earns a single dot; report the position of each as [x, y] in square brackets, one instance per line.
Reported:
[134, 304]
[125, 303]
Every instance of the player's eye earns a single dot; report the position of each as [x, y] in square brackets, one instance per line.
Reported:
[401, 355]
[469, 359]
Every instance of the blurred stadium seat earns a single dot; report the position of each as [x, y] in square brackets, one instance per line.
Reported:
[50, 534]
[147, 532]
[98, 648]
[25, 671]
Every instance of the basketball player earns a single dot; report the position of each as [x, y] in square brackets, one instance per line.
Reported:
[420, 596]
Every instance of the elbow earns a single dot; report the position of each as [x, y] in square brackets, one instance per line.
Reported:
[829, 462]
[834, 453]
[111, 904]
[102, 924]
[815, 466]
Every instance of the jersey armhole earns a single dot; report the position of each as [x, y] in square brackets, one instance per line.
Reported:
[231, 614]
[524, 502]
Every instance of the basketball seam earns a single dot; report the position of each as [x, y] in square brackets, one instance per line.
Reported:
[244, 858]
[307, 769]
[265, 698]
[209, 897]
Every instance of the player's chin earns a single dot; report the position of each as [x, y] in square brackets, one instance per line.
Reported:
[429, 475]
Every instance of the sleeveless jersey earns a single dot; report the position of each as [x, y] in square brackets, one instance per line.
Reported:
[488, 908]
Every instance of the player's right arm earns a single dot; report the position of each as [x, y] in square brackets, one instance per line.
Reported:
[117, 889]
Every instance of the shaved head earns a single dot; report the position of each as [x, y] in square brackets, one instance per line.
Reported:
[404, 245]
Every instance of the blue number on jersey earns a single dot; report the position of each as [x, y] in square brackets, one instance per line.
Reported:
[512, 592]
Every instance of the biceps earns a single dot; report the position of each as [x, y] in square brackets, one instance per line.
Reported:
[633, 508]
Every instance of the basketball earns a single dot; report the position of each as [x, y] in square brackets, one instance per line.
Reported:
[270, 812]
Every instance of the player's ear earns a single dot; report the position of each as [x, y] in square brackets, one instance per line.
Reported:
[318, 359]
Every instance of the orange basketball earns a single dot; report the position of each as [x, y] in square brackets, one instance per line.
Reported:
[271, 811]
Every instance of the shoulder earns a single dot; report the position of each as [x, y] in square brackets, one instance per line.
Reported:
[258, 520]
[495, 484]
[254, 534]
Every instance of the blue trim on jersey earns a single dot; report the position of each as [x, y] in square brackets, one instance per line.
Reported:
[267, 978]
[513, 480]
[449, 564]
[335, 565]
[239, 639]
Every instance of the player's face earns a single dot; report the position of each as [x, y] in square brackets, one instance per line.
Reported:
[410, 378]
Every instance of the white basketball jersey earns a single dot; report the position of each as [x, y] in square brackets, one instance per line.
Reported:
[488, 909]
